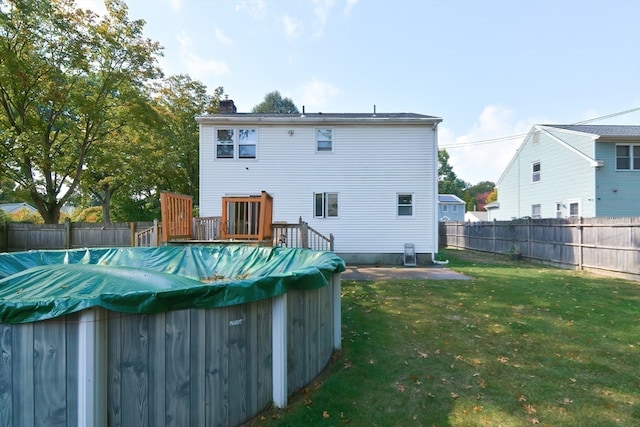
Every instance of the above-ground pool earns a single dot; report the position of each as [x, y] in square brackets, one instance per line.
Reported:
[170, 336]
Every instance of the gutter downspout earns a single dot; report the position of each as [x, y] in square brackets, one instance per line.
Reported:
[436, 226]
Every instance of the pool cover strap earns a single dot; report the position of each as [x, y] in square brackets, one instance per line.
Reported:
[41, 285]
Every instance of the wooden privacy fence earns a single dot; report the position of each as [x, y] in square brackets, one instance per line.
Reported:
[16, 236]
[601, 245]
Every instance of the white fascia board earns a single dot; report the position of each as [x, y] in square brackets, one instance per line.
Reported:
[306, 120]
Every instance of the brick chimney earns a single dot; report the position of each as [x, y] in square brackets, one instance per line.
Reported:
[227, 106]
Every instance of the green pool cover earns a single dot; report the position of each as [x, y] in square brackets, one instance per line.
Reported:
[39, 285]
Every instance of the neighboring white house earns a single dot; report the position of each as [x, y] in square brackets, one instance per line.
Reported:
[450, 208]
[369, 179]
[564, 171]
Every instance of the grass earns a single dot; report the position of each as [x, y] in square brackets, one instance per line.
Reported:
[517, 345]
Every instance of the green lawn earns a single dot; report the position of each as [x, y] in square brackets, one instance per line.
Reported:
[520, 344]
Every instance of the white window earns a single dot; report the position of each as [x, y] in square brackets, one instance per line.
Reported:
[445, 208]
[558, 210]
[535, 172]
[628, 157]
[325, 205]
[405, 204]
[535, 211]
[324, 139]
[236, 143]
[454, 208]
[574, 209]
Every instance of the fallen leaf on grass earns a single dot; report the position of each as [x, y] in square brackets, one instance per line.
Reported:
[325, 414]
[534, 421]
[422, 354]
[529, 409]
[454, 395]
[503, 359]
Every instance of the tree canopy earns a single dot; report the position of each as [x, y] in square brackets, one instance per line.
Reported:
[275, 103]
[70, 81]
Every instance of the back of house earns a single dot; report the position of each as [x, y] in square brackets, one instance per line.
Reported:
[368, 179]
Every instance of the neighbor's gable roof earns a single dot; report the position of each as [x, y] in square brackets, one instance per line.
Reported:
[616, 131]
[449, 198]
[12, 208]
[312, 118]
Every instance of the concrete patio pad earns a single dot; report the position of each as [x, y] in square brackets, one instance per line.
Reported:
[371, 272]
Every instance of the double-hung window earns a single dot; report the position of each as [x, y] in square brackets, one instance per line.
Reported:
[405, 204]
[324, 139]
[325, 205]
[236, 143]
[535, 172]
[628, 157]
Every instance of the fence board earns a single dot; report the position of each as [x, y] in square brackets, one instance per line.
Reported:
[604, 245]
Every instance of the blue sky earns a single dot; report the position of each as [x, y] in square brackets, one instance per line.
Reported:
[490, 69]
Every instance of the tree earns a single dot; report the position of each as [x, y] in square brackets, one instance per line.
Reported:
[448, 181]
[178, 100]
[475, 195]
[275, 103]
[69, 81]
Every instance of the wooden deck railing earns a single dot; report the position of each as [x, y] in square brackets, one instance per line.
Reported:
[301, 235]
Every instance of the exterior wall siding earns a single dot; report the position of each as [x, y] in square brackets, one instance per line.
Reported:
[565, 177]
[617, 192]
[368, 166]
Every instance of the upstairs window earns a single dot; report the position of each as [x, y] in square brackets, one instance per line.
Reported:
[324, 139]
[325, 205]
[236, 143]
[405, 204]
[574, 209]
[535, 172]
[628, 157]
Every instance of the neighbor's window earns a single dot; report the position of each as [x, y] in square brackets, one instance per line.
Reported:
[324, 139]
[558, 210]
[535, 211]
[574, 209]
[405, 204]
[628, 157]
[535, 172]
[236, 143]
[445, 208]
[325, 205]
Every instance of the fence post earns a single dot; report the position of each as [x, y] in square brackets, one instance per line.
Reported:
[67, 233]
[580, 255]
[494, 235]
[132, 234]
[331, 242]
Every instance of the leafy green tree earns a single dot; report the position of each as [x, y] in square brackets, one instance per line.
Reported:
[178, 100]
[69, 80]
[275, 103]
[448, 181]
[472, 193]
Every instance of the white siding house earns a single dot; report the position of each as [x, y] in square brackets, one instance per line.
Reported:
[369, 179]
[564, 171]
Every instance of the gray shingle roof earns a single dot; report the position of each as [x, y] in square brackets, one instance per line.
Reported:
[449, 198]
[602, 130]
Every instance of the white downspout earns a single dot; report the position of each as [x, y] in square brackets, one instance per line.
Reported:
[436, 227]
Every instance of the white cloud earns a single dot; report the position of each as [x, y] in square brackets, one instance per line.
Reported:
[349, 6]
[222, 37]
[257, 9]
[292, 27]
[198, 67]
[322, 11]
[483, 153]
[316, 93]
[175, 4]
